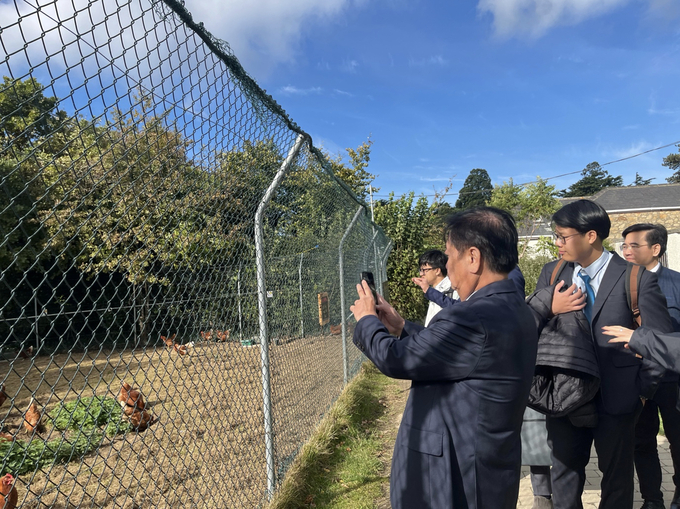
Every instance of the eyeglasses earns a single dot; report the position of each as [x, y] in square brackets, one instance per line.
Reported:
[422, 271]
[563, 238]
[632, 246]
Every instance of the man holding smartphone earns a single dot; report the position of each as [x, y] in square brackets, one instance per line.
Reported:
[471, 370]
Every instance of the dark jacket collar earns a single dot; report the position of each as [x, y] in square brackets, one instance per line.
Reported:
[503, 286]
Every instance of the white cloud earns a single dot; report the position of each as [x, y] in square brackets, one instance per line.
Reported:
[264, 32]
[350, 66]
[343, 93]
[433, 60]
[632, 149]
[536, 17]
[435, 179]
[655, 109]
[292, 90]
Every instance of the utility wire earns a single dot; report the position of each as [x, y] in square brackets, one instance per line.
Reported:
[554, 176]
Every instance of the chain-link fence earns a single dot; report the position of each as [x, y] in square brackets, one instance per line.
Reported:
[177, 264]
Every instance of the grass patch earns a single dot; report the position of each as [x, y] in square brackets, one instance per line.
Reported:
[338, 467]
[83, 423]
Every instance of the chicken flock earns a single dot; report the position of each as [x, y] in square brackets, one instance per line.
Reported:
[130, 399]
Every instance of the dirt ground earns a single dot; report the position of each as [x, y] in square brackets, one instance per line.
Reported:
[207, 450]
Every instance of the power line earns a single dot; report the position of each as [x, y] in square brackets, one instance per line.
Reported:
[554, 176]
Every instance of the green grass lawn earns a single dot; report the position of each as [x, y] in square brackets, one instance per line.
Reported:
[340, 466]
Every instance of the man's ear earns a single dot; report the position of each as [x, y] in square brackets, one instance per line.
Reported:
[474, 257]
[656, 249]
[591, 236]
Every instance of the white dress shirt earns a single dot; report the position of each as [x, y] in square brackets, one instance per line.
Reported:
[595, 270]
[433, 308]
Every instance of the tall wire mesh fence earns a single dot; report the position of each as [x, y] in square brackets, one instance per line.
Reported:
[177, 263]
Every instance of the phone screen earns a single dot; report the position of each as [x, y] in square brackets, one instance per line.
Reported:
[368, 277]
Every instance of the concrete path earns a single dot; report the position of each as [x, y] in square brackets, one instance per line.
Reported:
[591, 495]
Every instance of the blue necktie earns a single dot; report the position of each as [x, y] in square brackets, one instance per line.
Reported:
[590, 297]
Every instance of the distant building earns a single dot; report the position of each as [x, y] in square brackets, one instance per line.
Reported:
[636, 204]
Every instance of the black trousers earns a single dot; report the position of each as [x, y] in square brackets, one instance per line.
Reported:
[614, 444]
[646, 454]
[540, 481]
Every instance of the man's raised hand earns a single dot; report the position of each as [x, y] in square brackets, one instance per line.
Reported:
[572, 299]
[364, 305]
[420, 281]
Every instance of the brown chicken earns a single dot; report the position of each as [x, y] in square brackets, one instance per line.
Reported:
[206, 335]
[336, 329]
[8, 493]
[26, 354]
[130, 398]
[222, 335]
[141, 419]
[32, 419]
[169, 342]
[6, 436]
[183, 349]
[3, 395]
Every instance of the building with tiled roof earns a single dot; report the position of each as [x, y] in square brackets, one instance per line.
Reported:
[658, 204]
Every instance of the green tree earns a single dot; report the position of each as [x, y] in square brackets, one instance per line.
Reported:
[532, 206]
[593, 179]
[355, 174]
[639, 181]
[672, 161]
[408, 222]
[32, 131]
[476, 190]
[27, 115]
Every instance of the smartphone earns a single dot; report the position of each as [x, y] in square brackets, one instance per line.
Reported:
[368, 277]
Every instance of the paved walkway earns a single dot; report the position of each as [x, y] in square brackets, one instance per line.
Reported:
[591, 495]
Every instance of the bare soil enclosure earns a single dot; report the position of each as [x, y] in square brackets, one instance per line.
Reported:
[206, 450]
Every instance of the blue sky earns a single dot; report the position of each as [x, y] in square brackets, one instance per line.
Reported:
[518, 87]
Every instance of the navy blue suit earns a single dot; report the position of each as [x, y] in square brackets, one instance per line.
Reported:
[459, 441]
[669, 282]
[515, 275]
[664, 402]
[624, 378]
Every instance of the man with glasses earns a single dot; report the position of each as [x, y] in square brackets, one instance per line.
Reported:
[644, 244]
[593, 279]
[433, 277]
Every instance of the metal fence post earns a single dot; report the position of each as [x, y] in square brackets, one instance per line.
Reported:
[262, 307]
[345, 359]
[240, 308]
[376, 261]
[383, 264]
[37, 321]
[302, 315]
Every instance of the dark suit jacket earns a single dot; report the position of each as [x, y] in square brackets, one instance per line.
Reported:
[669, 282]
[663, 349]
[459, 440]
[515, 275]
[624, 377]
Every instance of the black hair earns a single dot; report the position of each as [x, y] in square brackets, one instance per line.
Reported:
[435, 259]
[583, 216]
[490, 230]
[656, 234]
